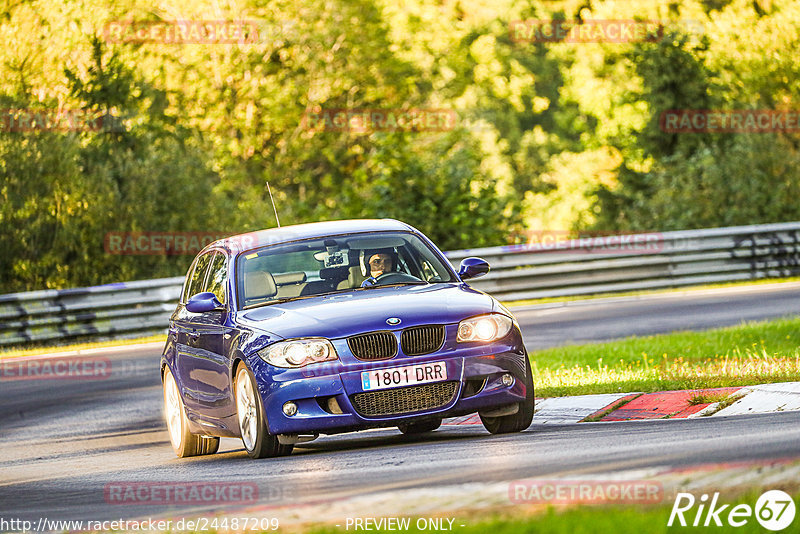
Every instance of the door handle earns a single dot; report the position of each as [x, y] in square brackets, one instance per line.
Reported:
[193, 337]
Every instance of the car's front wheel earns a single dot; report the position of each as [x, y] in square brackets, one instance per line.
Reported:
[520, 420]
[184, 443]
[257, 440]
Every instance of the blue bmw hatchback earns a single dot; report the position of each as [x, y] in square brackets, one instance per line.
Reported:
[285, 334]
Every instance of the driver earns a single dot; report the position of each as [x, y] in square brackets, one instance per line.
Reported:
[378, 262]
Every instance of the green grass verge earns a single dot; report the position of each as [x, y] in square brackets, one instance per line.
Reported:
[15, 352]
[748, 354]
[595, 520]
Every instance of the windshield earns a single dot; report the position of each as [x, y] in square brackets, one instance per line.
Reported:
[333, 264]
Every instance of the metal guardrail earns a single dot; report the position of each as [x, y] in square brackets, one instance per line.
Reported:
[112, 310]
[548, 266]
[607, 264]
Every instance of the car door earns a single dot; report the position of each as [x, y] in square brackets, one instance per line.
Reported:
[186, 335]
[212, 365]
[177, 334]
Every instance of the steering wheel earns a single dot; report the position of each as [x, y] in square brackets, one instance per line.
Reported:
[395, 278]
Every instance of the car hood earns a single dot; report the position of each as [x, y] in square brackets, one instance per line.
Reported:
[354, 312]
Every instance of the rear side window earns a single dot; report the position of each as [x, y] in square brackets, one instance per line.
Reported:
[198, 275]
[217, 276]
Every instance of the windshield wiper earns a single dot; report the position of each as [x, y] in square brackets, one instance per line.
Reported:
[276, 301]
[396, 284]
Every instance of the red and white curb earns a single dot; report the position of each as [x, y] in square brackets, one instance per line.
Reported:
[764, 398]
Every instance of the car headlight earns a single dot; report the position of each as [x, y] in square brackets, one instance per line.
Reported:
[298, 352]
[484, 327]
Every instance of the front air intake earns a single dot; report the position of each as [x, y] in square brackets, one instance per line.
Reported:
[404, 400]
[422, 339]
[373, 346]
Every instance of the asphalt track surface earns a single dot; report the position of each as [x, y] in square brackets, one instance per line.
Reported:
[63, 441]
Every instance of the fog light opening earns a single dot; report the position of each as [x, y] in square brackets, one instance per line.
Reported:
[289, 409]
[333, 406]
[507, 379]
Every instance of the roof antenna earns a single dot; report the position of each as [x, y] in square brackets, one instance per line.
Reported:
[273, 204]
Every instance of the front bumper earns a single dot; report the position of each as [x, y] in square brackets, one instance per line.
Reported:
[475, 371]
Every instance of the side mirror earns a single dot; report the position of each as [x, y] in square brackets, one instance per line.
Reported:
[473, 268]
[204, 302]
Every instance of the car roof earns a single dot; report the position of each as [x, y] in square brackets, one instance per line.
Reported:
[285, 234]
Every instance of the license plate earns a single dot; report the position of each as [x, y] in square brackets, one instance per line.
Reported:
[403, 376]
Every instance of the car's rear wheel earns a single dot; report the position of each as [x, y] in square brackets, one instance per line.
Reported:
[184, 443]
[257, 440]
[419, 428]
[519, 421]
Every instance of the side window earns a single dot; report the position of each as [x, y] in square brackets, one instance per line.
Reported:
[217, 276]
[199, 275]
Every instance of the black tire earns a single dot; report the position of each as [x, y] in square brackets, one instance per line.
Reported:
[183, 442]
[522, 419]
[257, 440]
[419, 428]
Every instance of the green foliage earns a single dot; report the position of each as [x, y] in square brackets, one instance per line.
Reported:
[675, 77]
[698, 190]
[62, 192]
[549, 135]
[439, 192]
[698, 180]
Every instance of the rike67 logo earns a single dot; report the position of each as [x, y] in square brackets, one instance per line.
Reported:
[774, 510]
